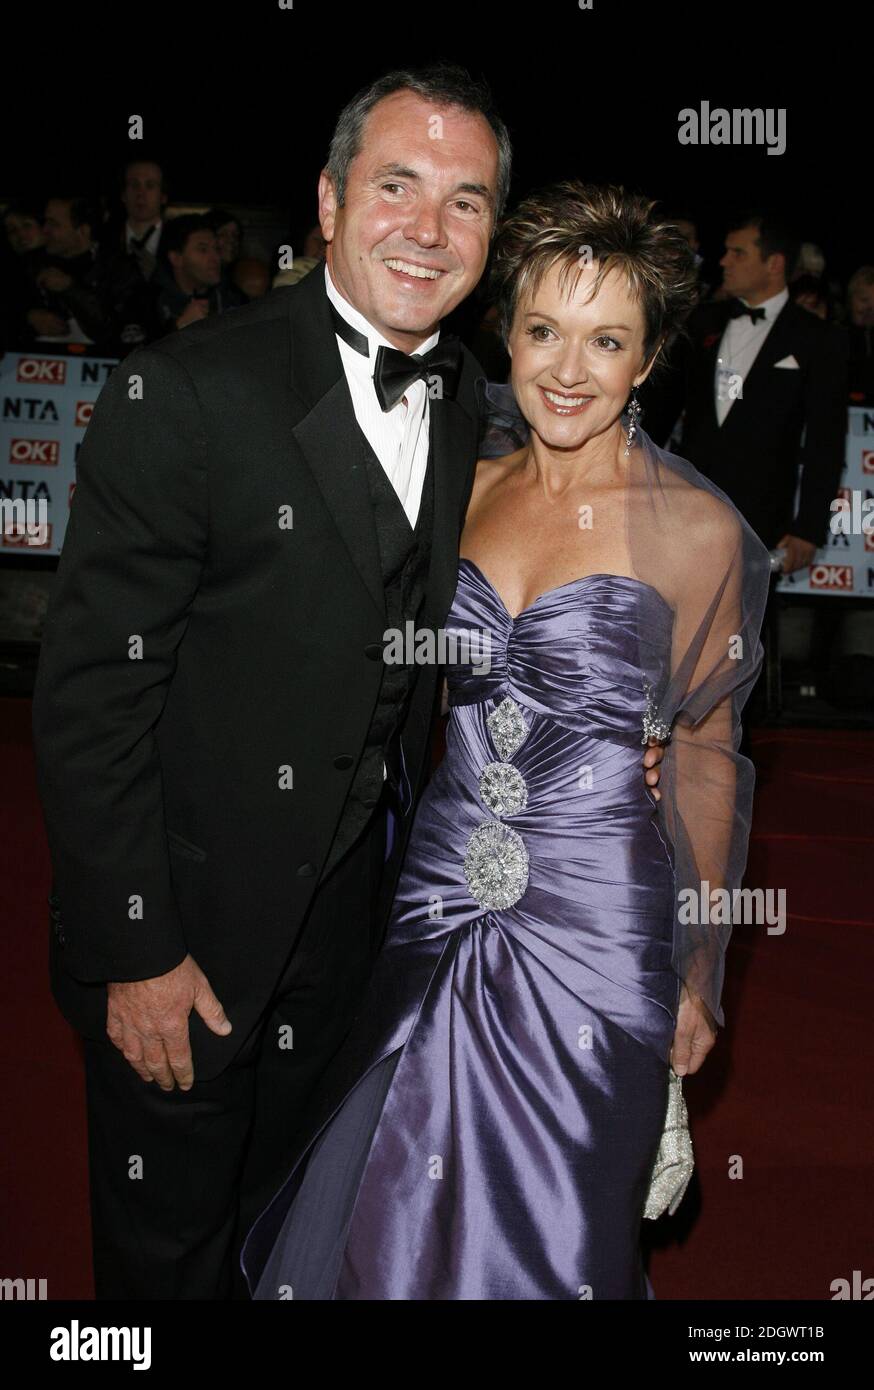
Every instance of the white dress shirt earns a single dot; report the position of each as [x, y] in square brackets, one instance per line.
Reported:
[398, 437]
[739, 348]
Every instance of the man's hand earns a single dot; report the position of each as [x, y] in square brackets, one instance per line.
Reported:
[799, 553]
[46, 323]
[651, 759]
[148, 1022]
[196, 309]
[54, 279]
[694, 1035]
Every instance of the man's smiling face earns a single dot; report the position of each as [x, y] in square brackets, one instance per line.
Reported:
[412, 237]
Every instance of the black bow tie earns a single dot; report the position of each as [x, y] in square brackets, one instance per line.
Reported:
[394, 371]
[737, 308]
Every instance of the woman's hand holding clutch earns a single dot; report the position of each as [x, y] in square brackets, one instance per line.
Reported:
[694, 1034]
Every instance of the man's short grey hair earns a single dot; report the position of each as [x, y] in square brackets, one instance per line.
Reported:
[445, 84]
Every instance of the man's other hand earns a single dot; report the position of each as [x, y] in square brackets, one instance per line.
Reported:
[799, 553]
[147, 1020]
[195, 310]
[47, 324]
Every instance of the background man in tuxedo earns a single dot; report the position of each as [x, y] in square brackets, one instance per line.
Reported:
[130, 242]
[221, 748]
[763, 384]
[144, 196]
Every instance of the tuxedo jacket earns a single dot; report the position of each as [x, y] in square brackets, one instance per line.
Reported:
[212, 655]
[787, 418]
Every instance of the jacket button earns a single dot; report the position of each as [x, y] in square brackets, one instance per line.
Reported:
[345, 760]
[62, 940]
[306, 870]
[374, 651]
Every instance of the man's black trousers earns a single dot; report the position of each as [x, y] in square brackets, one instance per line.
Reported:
[177, 1178]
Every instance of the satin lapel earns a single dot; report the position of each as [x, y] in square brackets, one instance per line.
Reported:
[329, 434]
[329, 439]
[453, 441]
[708, 367]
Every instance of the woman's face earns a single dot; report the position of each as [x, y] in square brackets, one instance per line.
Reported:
[576, 359]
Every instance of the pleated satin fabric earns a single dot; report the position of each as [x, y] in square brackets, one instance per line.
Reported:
[489, 1127]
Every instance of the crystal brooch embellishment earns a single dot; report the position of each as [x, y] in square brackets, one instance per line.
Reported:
[496, 860]
[502, 788]
[507, 727]
[496, 866]
[653, 725]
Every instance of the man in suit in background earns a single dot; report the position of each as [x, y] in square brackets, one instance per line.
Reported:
[763, 384]
[129, 244]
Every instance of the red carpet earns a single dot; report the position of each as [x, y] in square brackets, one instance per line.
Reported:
[785, 1096]
[786, 1091]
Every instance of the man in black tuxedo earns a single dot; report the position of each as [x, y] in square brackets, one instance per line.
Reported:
[764, 387]
[130, 243]
[227, 764]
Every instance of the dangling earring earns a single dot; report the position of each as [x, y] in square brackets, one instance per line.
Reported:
[634, 410]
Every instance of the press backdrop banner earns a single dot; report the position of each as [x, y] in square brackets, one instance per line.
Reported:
[46, 405]
[845, 564]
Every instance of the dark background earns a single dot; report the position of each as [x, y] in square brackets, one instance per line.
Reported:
[239, 100]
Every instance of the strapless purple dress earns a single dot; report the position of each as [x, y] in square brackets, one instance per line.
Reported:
[488, 1129]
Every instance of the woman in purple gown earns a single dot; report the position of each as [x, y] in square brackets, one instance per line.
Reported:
[489, 1127]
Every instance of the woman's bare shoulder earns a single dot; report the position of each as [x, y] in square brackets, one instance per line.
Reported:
[704, 519]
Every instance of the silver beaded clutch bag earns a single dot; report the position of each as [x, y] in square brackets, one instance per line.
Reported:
[675, 1159]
